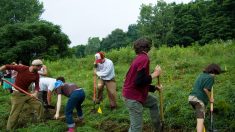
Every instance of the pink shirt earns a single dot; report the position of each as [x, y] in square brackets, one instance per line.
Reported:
[130, 90]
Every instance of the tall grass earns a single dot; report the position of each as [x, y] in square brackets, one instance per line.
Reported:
[180, 68]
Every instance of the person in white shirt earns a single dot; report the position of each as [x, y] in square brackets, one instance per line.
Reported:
[46, 85]
[104, 69]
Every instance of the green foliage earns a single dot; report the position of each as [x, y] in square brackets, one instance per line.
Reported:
[183, 24]
[180, 68]
[17, 11]
[26, 41]
[133, 32]
[79, 51]
[115, 40]
[200, 21]
[156, 21]
[93, 46]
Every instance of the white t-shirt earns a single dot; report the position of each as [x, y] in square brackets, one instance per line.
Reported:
[105, 70]
[46, 83]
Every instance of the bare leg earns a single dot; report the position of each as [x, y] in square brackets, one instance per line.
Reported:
[200, 124]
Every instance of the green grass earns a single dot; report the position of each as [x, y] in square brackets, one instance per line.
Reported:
[180, 68]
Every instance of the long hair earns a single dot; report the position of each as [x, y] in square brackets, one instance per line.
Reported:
[142, 44]
[213, 69]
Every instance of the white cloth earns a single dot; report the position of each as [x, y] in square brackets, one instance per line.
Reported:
[46, 83]
[42, 71]
[105, 70]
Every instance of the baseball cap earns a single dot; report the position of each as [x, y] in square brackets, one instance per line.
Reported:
[37, 62]
[99, 57]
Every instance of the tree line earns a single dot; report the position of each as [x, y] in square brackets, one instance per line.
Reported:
[24, 36]
[199, 21]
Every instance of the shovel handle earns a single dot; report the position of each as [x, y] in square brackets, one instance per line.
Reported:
[94, 86]
[161, 105]
[16, 87]
[20, 89]
[161, 100]
[211, 104]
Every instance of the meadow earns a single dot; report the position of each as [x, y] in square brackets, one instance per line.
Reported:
[180, 68]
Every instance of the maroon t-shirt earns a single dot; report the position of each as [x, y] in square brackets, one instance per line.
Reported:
[24, 77]
[130, 90]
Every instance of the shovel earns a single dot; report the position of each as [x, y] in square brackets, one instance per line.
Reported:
[25, 92]
[94, 95]
[161, 105]
[20, 89]
[211, 113]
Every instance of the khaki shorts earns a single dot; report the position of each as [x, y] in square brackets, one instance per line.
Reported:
[198, 105]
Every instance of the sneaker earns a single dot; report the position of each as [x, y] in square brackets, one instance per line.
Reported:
[71, 129]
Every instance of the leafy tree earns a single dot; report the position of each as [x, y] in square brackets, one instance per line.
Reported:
[163, 22]
[93, 46]
[133, 33]
[156, 21]
[26, 41]
[115, 40]
[15, 11]
[145, 20]
[79, 51]
[186, 24]
[219, 21]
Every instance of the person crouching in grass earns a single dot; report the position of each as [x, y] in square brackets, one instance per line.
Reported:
[76, 97]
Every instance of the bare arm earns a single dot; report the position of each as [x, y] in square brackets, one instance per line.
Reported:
[57, 114]
[208, 93]
[3, 68]
[49, 97]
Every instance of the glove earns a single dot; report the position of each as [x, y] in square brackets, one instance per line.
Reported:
[152, 88]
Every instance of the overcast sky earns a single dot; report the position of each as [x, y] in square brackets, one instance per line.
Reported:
[81, 19]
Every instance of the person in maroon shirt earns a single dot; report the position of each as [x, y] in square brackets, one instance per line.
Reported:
[137, 85]
[25, 76]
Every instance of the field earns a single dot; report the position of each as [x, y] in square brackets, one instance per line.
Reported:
[180, 68]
